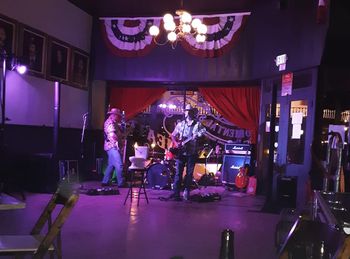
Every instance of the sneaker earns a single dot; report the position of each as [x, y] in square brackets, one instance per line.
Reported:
[105, 184]
[186, 195]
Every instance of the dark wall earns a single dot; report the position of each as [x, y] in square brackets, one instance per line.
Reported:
[269, 31]
[27, 161]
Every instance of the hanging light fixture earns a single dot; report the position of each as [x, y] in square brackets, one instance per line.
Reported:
[185, 26]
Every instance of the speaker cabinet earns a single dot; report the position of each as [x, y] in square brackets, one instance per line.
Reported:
[231, 165]
[287, 191]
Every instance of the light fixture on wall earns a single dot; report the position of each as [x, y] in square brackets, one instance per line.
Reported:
[15, 65]
[180, 27]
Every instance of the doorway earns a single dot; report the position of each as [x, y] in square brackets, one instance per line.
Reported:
[293, 136]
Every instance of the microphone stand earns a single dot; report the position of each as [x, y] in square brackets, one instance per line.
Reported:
[83, 134]
[85, 115]
[205, 169]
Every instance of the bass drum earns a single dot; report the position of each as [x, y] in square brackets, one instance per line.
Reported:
[158, 176]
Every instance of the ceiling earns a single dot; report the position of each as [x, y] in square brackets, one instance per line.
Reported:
[137, 8]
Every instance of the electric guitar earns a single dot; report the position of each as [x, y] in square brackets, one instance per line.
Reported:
[178, 147]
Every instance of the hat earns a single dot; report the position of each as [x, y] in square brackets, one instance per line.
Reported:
[114, 111]
[189, 107]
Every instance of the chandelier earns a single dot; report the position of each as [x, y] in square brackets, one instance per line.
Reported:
[180, 27]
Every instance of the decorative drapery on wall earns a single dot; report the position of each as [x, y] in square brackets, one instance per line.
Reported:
[239, 105]
[129, 37]
[134, 100]
[222, 33]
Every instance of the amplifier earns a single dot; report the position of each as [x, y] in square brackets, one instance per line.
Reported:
[237, 149]
[231, 166]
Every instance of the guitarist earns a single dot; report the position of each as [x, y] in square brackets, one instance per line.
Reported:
[184, 138]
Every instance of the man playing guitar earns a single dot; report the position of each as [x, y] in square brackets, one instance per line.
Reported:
[184, 138]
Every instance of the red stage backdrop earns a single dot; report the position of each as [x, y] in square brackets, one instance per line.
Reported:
[134, 100]
[239, 105]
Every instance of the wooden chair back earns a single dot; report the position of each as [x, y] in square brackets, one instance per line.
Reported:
[66, 197]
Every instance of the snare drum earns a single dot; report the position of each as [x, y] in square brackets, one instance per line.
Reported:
[158, 176]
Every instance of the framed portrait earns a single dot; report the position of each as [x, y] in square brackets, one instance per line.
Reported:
[79, 68]
[32, 50]
[8, 33]
[58, 60]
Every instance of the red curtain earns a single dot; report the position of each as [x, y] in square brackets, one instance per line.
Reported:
[134, 100]
[239, 105]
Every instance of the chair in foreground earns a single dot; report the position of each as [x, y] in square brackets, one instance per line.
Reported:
[37, 244]
[313, 239]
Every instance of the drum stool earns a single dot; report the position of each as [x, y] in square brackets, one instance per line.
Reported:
[142, 189]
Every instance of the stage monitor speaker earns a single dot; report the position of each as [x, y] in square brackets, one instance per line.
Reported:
[287, 191]
[231, 165]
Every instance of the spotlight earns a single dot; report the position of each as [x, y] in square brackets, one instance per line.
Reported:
[21, 69]
[18, 66]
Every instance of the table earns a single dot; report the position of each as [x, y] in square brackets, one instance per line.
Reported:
[8, 202]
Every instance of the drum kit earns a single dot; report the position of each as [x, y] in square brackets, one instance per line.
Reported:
[161, 170]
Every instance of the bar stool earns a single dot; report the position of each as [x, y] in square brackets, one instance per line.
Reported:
[142, 189]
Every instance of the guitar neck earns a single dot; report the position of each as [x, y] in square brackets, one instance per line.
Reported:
[191, 138]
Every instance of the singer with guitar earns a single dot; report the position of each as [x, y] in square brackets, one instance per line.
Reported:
[184, 141]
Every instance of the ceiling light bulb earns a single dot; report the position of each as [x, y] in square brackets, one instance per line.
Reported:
[169, 26]
[172, 36]
[202, 29]
[200, 38]
[168, 18]
[195, 23]
[186, 17]
[186, 28]
[154, 30]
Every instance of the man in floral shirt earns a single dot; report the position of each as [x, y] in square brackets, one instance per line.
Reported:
[111, 131]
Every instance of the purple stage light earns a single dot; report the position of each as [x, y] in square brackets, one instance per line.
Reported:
[21, 69]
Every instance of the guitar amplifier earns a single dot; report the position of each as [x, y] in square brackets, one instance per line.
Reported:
[237, 149]
[231, 165]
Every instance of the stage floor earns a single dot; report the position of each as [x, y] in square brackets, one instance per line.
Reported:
[102, 227]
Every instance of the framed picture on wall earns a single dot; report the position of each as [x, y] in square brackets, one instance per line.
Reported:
[79, 68]
[32, 49]
[8, 40]
[58, 60]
